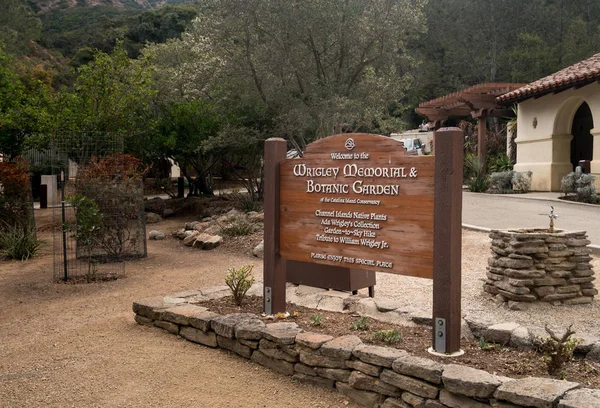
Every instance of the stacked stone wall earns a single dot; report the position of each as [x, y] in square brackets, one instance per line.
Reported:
[535, 265]
[372, 376]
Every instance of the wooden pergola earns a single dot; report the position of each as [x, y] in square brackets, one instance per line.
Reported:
[478, 101]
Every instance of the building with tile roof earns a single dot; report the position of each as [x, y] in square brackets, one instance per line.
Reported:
[555, 124]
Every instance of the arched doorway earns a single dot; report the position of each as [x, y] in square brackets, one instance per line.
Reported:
[582, 143]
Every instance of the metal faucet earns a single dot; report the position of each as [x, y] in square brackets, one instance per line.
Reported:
[552, 218]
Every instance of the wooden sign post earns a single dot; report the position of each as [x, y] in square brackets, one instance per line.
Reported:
[357, 201]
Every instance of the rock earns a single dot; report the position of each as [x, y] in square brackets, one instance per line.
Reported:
[202, 320]
[363, 398]
[478, 324]
[512, 263]
[364, 382]
[279, 366]
[315, 359]
[459, 401]
[594, 353]
[207, 241]
[167, 212]
[152, 218]
[250, 330]
[235, 346]
[403, 382]
[255, 217]
[340, 347]
[259, 250]
[377, 355]
[364, 368]
[253, 344]
[318, 381]
[281, 333]
[225, 325]
[198, 336]
[524, 274]
[168, 326]
[156, 235]
[412, 400]
[191, 226]
[582, 398]
[180, 233]
[520, 338]
[500, 333]
[469, 381]
[304, 369]
[534, 392]
[337, 374]
[155, 205]
[189, 240]
[180, 314]
[143, 320]
[419, 367]
[152, 308]
[544, 290]
[422, 317]
[272, 350]
[386, 305]
[312, 340]
[579, 301]
[396, 403]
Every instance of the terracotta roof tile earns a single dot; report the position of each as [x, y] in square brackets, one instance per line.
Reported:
[582, 73]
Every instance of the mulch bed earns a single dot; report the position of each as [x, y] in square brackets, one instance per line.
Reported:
[492, 358]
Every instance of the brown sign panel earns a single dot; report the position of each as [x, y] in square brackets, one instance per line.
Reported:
[357, 201]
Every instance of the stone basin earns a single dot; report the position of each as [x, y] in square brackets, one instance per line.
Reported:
[536, 265]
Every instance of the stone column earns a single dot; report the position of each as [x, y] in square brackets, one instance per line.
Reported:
[561, 159]
[50, 181]
[595, 164]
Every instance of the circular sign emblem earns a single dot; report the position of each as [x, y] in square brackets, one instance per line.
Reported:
[350, 144]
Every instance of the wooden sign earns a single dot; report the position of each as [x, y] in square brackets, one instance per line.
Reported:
[358, 201]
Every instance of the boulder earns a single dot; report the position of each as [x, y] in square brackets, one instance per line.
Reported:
[259, 250]
[152, 218]
[155, 205]
[156, 235]
[207, 241]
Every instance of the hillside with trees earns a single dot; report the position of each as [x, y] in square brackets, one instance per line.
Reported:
[206, 83]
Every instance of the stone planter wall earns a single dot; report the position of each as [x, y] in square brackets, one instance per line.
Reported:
[372, 376]
[535, 265]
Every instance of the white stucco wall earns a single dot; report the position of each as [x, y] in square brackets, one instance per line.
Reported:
[546, 149]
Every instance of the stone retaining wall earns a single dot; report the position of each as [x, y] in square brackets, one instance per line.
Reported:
[535, 265]
[372, 376]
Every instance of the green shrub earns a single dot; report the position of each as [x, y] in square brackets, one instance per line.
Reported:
[500, 163]
[477, 180]
[387, 336]
[521, 181]
[237, 226]
[361, 324]
[558, 350]
[239, 281]
[247, 203]
[18, 242]
[316, 320]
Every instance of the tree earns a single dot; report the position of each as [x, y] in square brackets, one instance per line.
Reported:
[112, 94]
[24, 103]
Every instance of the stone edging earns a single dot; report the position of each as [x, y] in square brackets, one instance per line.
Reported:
[372, 376]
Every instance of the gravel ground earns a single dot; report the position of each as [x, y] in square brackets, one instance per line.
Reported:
[415, 292]
[78, 345]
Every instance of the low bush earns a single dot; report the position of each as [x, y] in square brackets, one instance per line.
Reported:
[237, 226]
[387, 336]
[581, 186]
[521, 181]
[477, 180]
[239, 281]
[361, 324]
[558, 350]
[501, 182]
[18, 242]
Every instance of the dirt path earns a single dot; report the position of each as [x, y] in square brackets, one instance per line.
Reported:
[77, 345]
